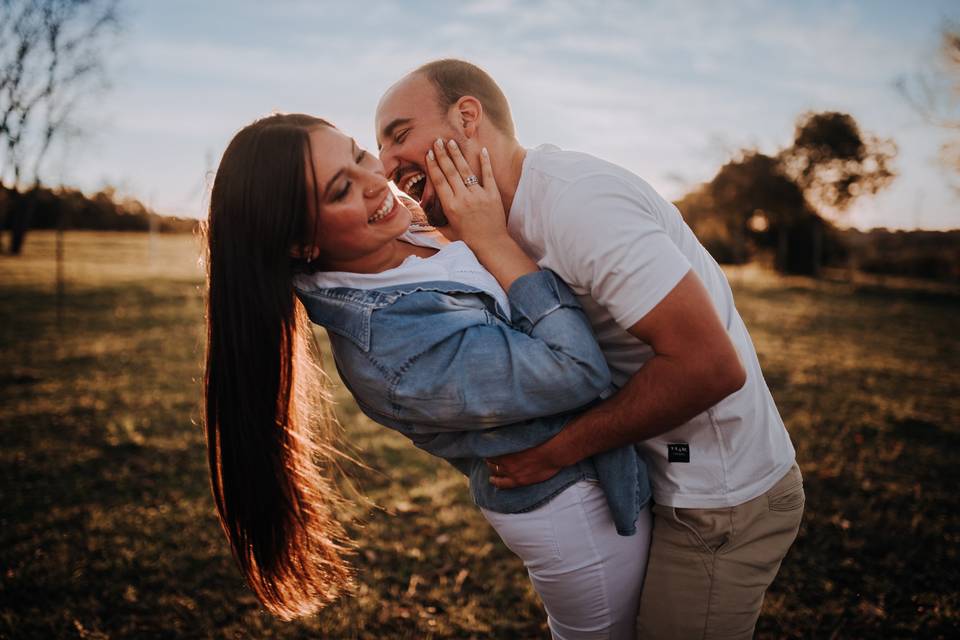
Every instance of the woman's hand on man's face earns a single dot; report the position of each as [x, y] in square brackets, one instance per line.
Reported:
[474, 211]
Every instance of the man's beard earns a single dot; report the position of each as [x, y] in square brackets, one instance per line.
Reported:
[436, 216]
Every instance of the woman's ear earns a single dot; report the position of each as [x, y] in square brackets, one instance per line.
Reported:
[469, 113]
[305, 253]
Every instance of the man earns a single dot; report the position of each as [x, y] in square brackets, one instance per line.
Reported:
[728, 493]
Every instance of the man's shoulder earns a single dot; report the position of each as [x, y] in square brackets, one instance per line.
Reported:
[574, 199]
[563, 175]
[565, 166]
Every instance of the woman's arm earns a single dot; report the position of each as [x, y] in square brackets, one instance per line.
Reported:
[489, 373]
[462, 368]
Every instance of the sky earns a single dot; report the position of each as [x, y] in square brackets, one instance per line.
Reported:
[669, 90]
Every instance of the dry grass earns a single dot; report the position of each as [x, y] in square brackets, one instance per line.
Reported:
[107, 528]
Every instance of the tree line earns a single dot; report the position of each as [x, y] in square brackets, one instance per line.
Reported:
[784, 208]
[781, 206]
[65, 208]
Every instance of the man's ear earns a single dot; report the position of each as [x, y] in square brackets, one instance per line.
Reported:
[469, 114]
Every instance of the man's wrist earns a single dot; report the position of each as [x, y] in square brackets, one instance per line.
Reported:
[559, 451]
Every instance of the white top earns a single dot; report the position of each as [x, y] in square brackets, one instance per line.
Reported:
[623, 248]
[454, 262]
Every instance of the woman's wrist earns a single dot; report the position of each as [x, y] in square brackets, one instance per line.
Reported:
[504, 259]
[487, 240]
[500, 248]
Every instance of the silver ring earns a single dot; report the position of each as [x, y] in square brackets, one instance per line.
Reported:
[471, 180]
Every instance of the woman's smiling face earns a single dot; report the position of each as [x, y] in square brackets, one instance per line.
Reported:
[356, 215]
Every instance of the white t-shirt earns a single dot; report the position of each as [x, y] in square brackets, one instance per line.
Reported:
[453, 262]
[622, 248]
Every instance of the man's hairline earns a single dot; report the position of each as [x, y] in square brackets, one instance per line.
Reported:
[397, 121]
[438, 94]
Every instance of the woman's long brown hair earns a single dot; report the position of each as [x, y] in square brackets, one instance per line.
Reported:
[266, 446]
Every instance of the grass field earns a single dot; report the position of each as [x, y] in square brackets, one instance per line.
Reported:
[107, 528]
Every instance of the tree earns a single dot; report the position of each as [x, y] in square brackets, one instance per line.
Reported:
[935, 93]
[782, 201]
[834, 163]
[951, 54]
[51, 59]
[750, 196]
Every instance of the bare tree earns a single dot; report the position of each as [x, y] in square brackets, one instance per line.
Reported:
[51, 58]
[935, 93]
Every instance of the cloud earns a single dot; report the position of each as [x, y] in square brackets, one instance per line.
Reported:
[652, 86]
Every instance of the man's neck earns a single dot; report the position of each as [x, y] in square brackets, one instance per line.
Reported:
[507, 169]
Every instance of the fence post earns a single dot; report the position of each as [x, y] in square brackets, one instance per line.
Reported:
[60, 280]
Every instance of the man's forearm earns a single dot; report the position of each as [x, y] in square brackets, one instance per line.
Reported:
[696, 366]
[662, 395]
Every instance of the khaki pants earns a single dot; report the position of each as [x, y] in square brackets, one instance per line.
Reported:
[710, 568]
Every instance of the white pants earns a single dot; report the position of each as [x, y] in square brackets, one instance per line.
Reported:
[588, 577]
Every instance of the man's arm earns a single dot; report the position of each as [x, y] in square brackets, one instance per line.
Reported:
[695, 366]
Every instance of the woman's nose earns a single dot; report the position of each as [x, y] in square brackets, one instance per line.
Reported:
[375, 188]
[376, 182]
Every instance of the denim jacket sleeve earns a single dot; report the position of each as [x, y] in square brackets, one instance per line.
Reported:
[491, 373]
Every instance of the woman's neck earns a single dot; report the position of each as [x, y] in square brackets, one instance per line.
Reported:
[390, 256]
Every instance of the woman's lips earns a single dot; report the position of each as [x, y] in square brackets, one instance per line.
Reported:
[381, 215]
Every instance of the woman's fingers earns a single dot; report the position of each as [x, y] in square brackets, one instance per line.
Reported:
[446, 165]
[472, 213]
[438, 179]
[486, 169]
[459, 162]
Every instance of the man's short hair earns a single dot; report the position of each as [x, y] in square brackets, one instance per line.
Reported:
[454, 79]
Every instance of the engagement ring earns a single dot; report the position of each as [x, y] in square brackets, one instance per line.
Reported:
[471, 180]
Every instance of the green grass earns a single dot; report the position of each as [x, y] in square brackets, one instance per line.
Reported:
[107, 528]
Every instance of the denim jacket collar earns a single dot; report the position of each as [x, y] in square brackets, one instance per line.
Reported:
[347, 311]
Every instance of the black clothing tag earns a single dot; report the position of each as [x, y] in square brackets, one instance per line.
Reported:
[679, 452]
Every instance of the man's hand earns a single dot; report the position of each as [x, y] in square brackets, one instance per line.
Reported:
[524, 468]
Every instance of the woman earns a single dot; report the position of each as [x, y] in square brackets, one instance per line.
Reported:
[467, 362]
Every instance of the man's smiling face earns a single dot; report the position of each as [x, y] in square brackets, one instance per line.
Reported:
[409, 119]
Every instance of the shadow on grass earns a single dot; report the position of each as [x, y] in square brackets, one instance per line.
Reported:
[108, 530]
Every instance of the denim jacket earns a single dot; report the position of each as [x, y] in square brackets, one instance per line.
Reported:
[442, 364]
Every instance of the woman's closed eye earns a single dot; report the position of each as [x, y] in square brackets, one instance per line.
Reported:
[342, 193]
